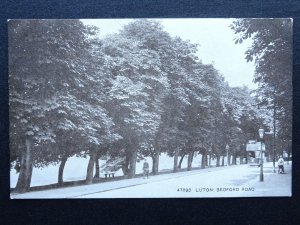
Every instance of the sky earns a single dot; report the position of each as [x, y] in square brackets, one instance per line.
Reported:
[215, 39]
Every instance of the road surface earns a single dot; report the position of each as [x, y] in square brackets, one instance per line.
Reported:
[232, 181]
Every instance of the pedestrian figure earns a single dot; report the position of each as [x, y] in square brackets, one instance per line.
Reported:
[280, 164]
[146, 169]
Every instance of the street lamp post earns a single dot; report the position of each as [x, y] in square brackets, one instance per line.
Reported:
[274, 130]
[227, 148]
[274, 133]
[261, 135]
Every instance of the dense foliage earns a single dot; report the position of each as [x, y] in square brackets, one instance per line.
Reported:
[271, 51]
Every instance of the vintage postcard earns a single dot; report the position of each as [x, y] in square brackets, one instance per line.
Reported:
[150, 108]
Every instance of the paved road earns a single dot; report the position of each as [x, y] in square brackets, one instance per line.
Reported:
[233, 181]
[237, 181]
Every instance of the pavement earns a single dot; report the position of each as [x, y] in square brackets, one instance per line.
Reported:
[232, 181]
[274, 184]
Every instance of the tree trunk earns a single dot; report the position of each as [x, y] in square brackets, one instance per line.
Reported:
[223, 159]
[218, 161]
[61, 169]
[26, 168]
[203, 160]
[90, 168]
[241, 160]
[175, 167]
[155, 160]
[97, 174]
[180, 161]
[153, 164]
[190, 160]
[132, 164]
[125, 166]
[288, 158]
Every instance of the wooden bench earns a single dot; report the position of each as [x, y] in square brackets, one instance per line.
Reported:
[109, 174]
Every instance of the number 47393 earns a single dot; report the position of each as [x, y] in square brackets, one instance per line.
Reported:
[184, 189]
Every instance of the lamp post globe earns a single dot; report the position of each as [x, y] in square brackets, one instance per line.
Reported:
[261, 133]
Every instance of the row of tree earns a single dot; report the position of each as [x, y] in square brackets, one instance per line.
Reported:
[132, 94]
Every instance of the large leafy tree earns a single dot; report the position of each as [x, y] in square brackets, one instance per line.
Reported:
[50, 100]
[179, 61]
[138, 87]
[33, 78]
[271, 50]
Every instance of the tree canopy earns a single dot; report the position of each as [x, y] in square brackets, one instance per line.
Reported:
[271, 51]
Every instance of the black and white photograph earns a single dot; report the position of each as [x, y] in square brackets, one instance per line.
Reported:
[150, 108]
